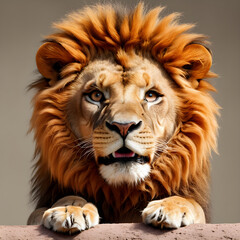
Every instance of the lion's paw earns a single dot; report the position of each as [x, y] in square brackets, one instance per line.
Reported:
[171, 212]
[71, 219]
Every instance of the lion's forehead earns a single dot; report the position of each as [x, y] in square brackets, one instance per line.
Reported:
[141, 74]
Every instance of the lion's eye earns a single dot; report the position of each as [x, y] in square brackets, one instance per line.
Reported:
[152, 96]
[95, 96]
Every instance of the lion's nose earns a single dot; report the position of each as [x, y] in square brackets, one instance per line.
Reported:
[123, 128]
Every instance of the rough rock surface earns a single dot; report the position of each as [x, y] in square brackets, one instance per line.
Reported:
[135, 231]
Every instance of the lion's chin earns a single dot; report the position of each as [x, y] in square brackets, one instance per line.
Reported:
[119, 173]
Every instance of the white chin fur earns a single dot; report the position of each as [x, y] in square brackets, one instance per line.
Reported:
[121, 173]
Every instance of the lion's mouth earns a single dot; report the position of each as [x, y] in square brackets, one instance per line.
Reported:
[123, 155]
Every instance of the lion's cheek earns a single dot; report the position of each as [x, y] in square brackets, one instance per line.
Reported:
[85, 125]
[85, 129]
[164, 123]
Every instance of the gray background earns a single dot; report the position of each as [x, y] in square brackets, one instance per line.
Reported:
[23, 24]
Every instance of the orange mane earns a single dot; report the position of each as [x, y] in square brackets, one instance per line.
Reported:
[63, 163]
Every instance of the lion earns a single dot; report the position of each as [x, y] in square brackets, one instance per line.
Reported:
[123, 121]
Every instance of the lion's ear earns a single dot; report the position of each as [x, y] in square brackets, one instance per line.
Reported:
[51, 58]
[199, 61]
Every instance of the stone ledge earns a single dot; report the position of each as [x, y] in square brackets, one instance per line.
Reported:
[134, 231]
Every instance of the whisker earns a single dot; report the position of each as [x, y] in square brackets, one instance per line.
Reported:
[161, 146]
[82, 143]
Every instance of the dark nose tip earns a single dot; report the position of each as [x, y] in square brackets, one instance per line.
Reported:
[123, 128]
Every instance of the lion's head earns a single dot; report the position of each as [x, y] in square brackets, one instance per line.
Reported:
[126, 112]
[123, 108]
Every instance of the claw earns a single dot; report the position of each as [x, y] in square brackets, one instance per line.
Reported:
[67, 225]
[159, 218]
[86, 221]
[153, 216]
[72, 219]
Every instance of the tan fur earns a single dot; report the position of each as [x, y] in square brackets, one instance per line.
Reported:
[65, 164]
